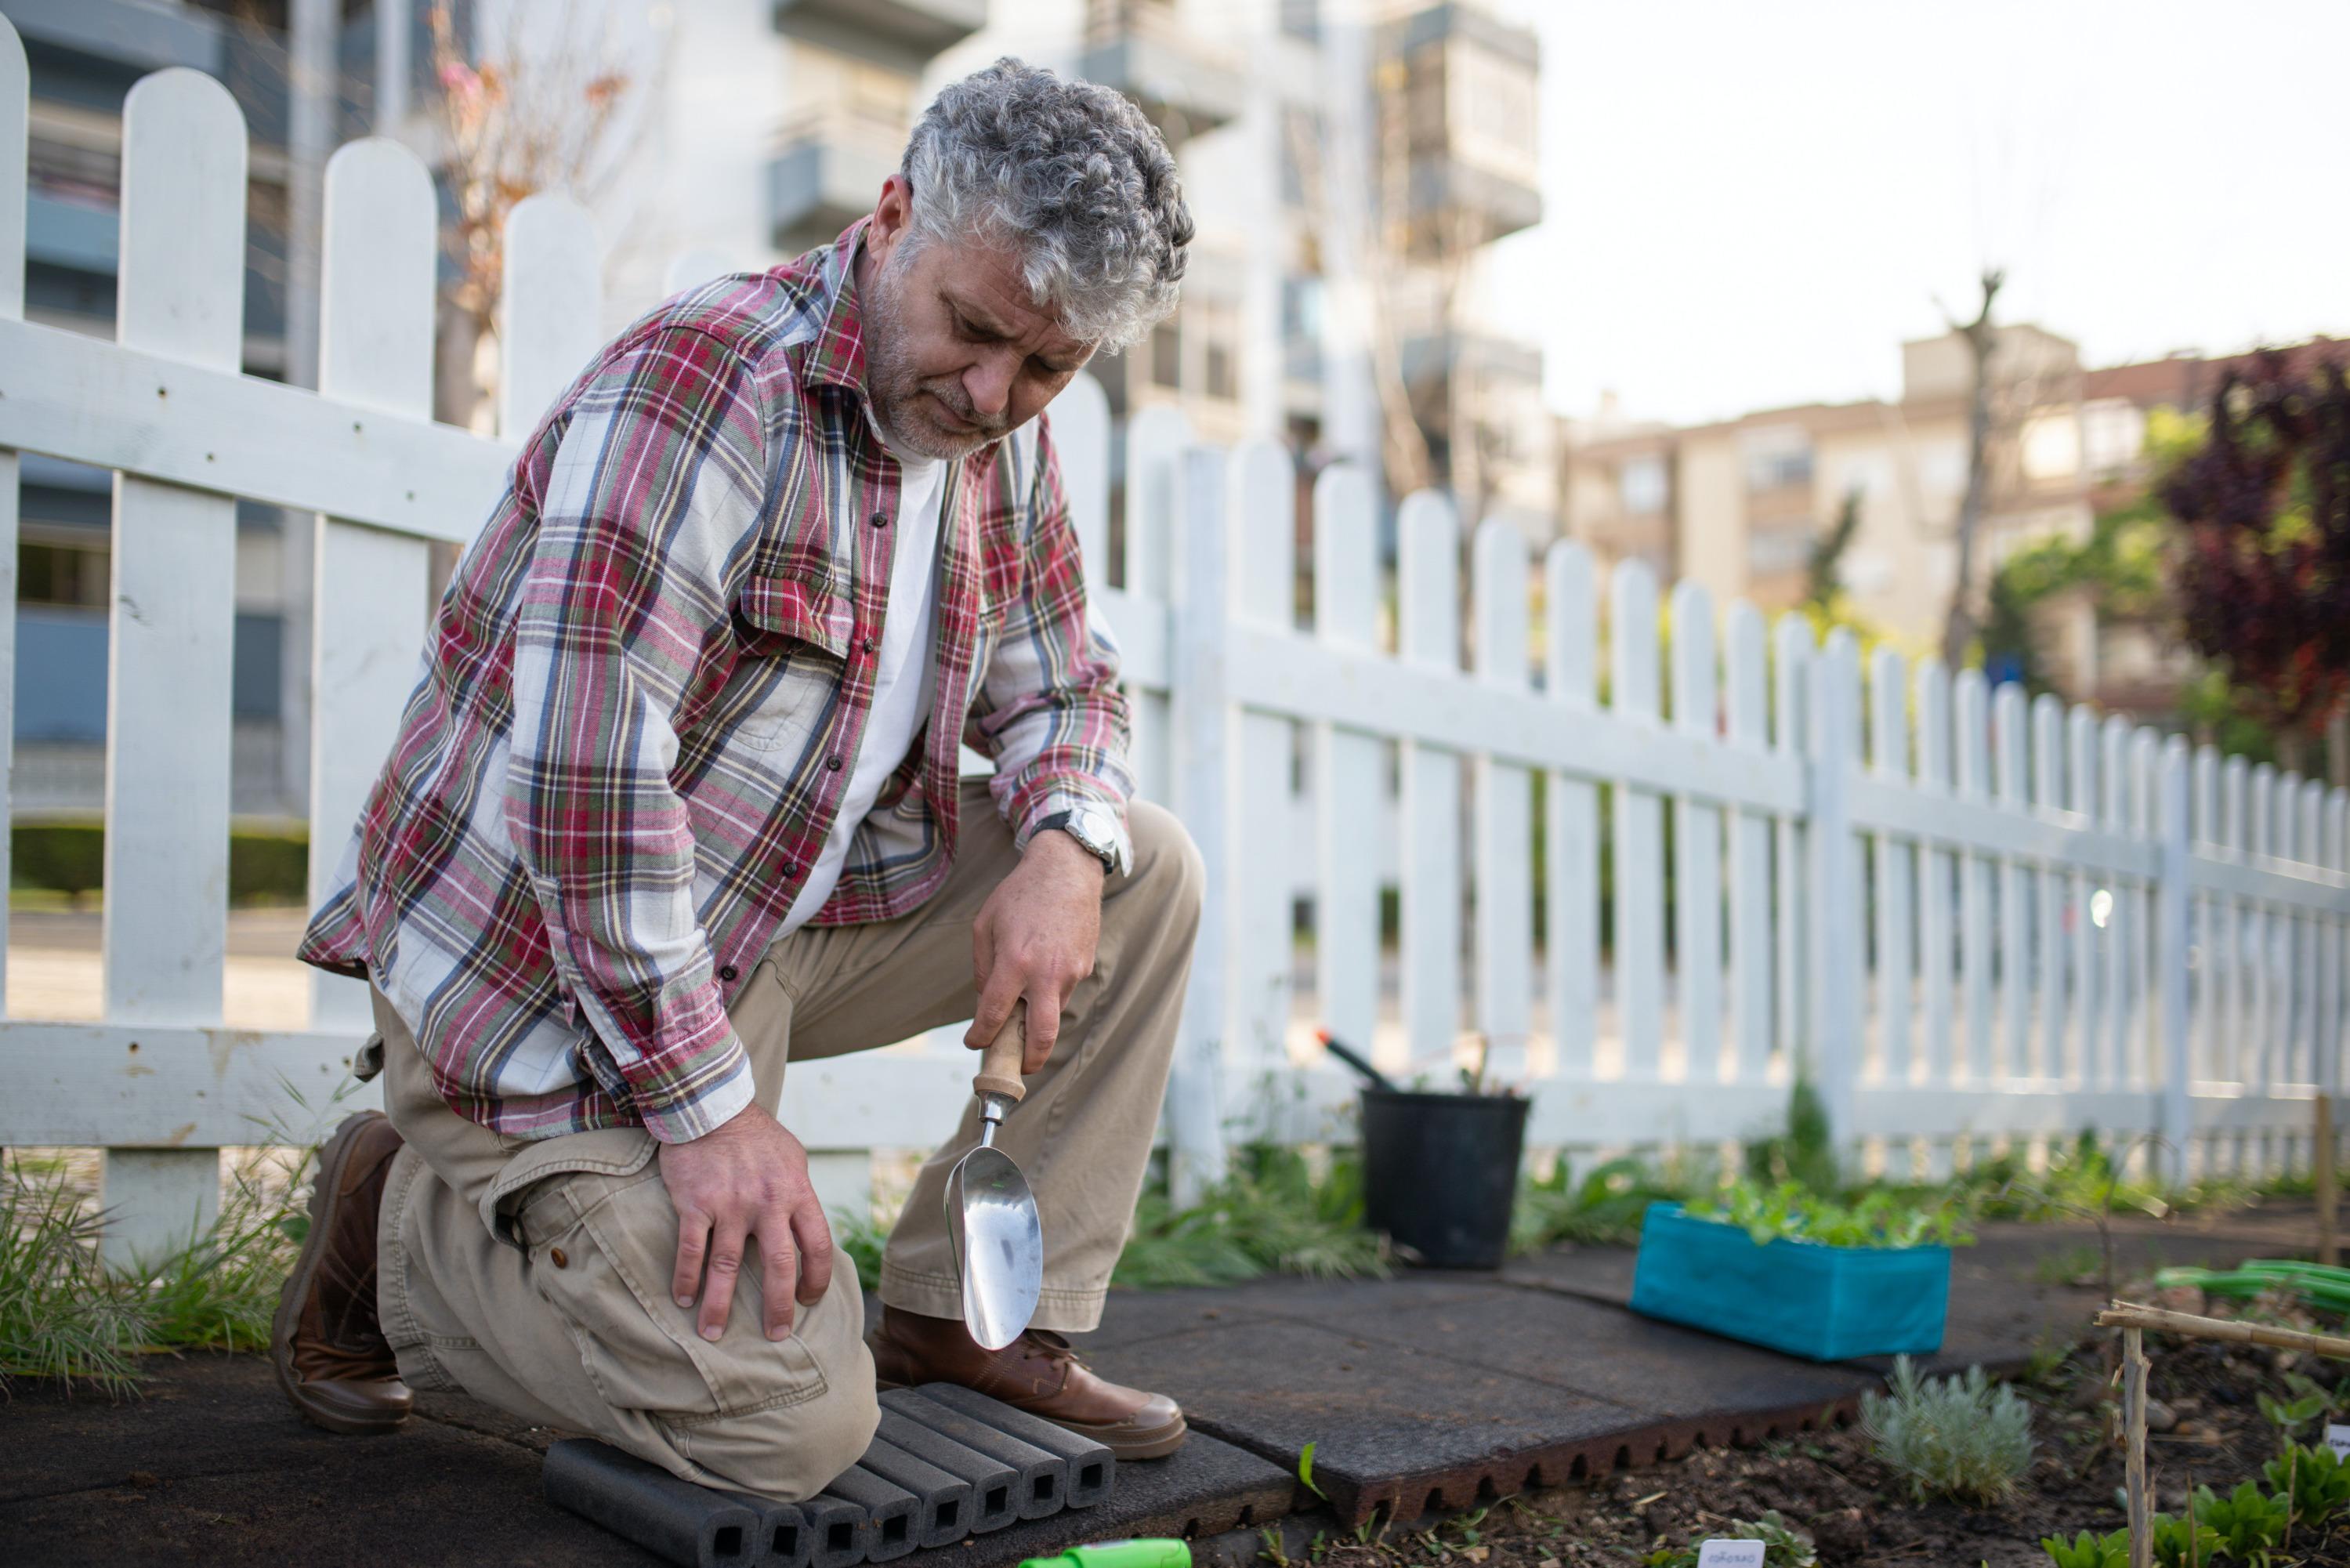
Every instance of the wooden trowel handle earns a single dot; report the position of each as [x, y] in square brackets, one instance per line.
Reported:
[999, 1065]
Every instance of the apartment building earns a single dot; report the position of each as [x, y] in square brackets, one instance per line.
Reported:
[1347, 161]
[1739, 505]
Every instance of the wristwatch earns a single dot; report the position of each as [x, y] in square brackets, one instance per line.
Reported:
[1094, 829]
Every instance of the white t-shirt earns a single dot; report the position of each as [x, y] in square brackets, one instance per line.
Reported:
[902, 681]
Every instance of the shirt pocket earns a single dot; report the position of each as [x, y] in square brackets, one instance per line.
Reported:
[795, 646]
[601, 1232]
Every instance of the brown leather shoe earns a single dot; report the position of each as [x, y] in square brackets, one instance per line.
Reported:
[1037, 1372]
[328, 1348]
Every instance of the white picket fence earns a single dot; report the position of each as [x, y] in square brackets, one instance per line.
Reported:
[1987, 923]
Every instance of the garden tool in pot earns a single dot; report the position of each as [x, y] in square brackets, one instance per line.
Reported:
[999, 1244]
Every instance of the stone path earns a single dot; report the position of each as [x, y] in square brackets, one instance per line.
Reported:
[1418, 1392]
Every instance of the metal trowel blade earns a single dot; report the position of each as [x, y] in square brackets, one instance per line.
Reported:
[1000, 1246]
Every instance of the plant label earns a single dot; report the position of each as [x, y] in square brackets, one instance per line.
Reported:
[2337, 1437]
[1729, 1554]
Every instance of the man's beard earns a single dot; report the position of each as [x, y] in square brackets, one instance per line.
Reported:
[902, 396]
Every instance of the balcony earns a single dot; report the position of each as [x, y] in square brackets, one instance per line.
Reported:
[1454, 198]
[901, 33]
[1184, 85]
[827, 173]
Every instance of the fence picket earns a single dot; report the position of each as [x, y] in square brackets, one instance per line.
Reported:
[1973, 749]
[15, 90]
[370, 586]
[2145, 823]
[2010, 748]
[2236, 984]
[2047, 793]
[1639, 829]
[2333, 954]
[1571, 805]
[1793, 651]
[1696, 843]
[1202, 727]
[2123, 925]
[1888, 741]
[2311, 850]
[1081, 439]
[2204, 834]
[2260, 839]
[1938, 873]
[550, 307]
[1503, 814]
[1347, 769]
[2089, 1066]
[1748, 714]
[1262, 526]
[171, 624]
[1836, 896]
[1429, 625]
[1156, 440]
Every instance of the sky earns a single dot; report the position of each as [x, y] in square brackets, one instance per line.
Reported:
[1750, 206]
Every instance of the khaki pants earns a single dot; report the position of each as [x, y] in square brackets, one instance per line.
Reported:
[534, 1274]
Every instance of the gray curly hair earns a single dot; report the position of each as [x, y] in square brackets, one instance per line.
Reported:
[1070, 177]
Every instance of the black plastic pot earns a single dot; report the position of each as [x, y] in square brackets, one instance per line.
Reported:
[1440, 1172]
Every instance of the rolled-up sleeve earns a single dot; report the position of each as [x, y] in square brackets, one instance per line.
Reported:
[1050, 714]
[660, 474]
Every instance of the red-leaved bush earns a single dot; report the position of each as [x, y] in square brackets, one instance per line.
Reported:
[2261, 575]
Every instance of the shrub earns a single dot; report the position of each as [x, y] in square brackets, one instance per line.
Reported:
[70, 857]
[1963, 1438]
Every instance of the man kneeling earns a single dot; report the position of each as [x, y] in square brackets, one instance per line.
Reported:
[675, 803]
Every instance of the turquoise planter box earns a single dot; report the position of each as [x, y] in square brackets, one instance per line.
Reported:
[1828, 1303]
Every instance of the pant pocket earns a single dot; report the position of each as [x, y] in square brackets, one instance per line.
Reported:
[602, 1249]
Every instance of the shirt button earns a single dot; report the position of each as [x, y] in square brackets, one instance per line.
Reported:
[880, 519]
[870, 645]
[726, 972]
[556, 1256]
[832, 762]
[791, 868]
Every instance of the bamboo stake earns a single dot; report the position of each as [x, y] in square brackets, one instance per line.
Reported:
[2141, 1528]
[2327, 1252]
[2125, 1316]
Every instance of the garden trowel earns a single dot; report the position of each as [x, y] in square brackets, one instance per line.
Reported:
[999, 1244]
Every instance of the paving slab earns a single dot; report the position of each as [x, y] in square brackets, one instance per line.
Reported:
[211, 1466]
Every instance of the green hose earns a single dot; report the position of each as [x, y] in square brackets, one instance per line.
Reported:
[1159, 1551]
[2316, 1284]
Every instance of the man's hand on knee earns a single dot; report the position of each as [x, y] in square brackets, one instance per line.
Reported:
[1035, 939]
[746, 1180]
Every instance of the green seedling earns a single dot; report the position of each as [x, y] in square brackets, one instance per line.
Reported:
[1792, 1212]
[2312, 1480]
[2088, 1550]
[2250, 1525]
[1784, 1546]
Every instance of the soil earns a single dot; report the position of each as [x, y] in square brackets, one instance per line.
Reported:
[1830, 1486]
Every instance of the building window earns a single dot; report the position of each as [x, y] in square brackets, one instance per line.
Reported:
[1221, 381]
[1166, 354]
[1778, 457]
[1781, 548]
[2113, 433]
[1640, 485]
[63, 572]
[2051, 447]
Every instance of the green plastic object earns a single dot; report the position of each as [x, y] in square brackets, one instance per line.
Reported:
[1151, 1552]
[2317, 1284]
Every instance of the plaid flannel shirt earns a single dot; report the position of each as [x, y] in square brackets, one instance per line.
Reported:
[642, 699]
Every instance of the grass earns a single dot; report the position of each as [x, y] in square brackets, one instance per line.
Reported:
[65, 1315]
